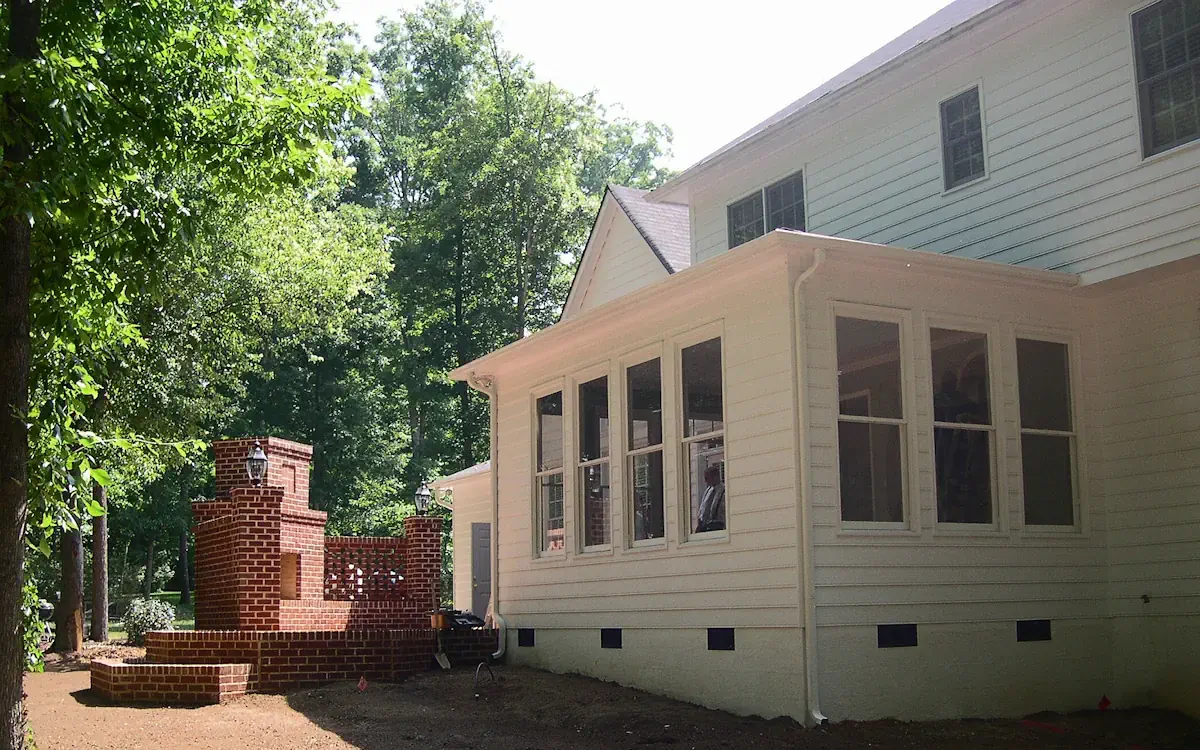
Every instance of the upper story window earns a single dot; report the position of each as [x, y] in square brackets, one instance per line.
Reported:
[704, 435]
[1166, 39]
[548, 479]
[593, 462]
[777, 206]
[644, 457]
[1047, 432]
[745, 219]
[962, 139]
[872, 426]
[963, 426]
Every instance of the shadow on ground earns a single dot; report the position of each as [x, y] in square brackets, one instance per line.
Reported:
[528, 709]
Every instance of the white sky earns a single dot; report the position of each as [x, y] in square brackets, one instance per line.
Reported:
[709, 71]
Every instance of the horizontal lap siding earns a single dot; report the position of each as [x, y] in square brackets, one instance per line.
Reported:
[626, 263]
[1066, 188]
[749, 581]
[1150, 419]
[472, 504]
[933, 576]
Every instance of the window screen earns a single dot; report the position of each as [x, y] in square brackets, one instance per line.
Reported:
[745, 219]
[962, 139]
[1166, 38]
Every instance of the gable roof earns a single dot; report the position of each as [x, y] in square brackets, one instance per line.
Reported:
[940, 24]
[664, 226]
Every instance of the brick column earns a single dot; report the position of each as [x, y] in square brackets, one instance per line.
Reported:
[257, 516]
[423, 560]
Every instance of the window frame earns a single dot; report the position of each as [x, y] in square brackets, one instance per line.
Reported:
[761, 193]
[909, 524]
[998, 412]
[578, 379]
[1078, 444]
[656, 350]
[983, 132]
[1137, 92]
[537, 539]
[706, 332]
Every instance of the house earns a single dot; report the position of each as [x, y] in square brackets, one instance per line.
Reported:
[916, 431]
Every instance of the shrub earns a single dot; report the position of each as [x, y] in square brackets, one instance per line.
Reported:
[145, 615]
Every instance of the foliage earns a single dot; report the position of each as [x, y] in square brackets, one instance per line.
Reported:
[146, 615]
[35, 629]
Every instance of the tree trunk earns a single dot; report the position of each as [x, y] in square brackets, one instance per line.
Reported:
[466, 438]
[68, 611]
[185, 584]
[100, 566]
[148, 581]
[24, 27]
[123, 575]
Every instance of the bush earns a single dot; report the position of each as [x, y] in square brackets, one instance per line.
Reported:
[145, 615]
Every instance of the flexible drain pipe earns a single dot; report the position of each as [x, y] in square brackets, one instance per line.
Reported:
[808, 589]
[487, 385]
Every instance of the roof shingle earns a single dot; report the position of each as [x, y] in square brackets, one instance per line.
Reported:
[664, 226]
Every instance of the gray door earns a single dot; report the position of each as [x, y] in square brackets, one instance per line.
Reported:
[481, 567]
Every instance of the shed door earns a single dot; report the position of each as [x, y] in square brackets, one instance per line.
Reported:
[481, 567]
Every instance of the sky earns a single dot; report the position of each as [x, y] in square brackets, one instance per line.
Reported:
[710, 72]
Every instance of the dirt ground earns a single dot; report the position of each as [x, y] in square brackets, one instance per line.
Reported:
[528, 710]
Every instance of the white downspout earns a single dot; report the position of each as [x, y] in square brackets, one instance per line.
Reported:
[808, 589]
[487, 385]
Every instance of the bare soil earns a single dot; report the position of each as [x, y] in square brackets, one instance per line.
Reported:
[528, 710]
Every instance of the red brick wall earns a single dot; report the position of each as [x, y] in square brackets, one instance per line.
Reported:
[423, 560]
[287, 465]
[216, 571]
[303, 533]
[359, 615]
[133, 681]
[257, 517]
[364, 568]
[285, 660]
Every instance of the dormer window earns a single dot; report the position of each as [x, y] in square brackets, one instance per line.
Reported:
[777, 206]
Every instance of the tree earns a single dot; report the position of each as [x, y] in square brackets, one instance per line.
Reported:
[101, 103]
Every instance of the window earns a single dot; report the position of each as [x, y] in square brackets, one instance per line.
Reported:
[1166, 39]
[962, 139]
[1047, 432]
[871, 420]
[785, 203]
[644, 457]
[963, 430]
[704, 436]
[745, 219]
[549, 476]
[593, 462]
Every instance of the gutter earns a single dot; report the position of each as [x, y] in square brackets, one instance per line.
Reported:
[803, 467]
[487, 385]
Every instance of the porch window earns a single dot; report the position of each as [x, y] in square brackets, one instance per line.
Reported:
[1166, 38]
[704, 436]
[963, 429]
[962, 139]
[593, 462]
[872, 425]
[549, 477]
[644, 453]
[1047, 432]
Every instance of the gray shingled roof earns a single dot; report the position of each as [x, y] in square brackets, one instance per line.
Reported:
[664, 226]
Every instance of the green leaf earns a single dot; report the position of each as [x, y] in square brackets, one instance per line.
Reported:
[94, 508]
[100, 477]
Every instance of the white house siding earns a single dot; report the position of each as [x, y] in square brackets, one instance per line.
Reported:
[664, 600]
[472, 504]
[1066, 188]
[1149, 431]
[964, 592]
[626, 263]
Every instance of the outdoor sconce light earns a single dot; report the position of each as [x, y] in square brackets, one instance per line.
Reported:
[256, 464]
[421, 497]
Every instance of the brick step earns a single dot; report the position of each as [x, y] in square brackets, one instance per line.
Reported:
[140, 681]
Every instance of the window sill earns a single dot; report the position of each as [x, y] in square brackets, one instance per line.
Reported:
[965, 185]
[705, 539]
[549, 557]
[1181, 148]
[1053, 532]
[657, 545]
[605, 551]
[989, 530]
[884, 531]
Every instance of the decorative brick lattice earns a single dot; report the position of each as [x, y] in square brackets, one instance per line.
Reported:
[365, 569]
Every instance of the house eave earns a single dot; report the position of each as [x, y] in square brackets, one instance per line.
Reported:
[753, 257]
